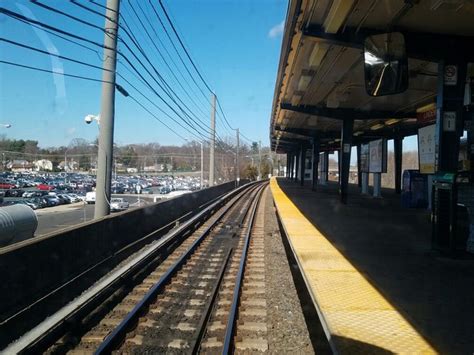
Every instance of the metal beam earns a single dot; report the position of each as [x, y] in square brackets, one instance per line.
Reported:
[315, 162]
[398, 155]
[346, 113]
[419, 45]
[345, 158]
[302, 162]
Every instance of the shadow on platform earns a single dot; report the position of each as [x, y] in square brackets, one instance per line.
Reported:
[391, 247]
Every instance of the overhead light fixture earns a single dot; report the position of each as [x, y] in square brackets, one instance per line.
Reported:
[358, 133]
[337, 15]
[303, 82]
[332, 102]
[410, 120]
[317, 55]
[337, 140]
[392, 121]
[295, 100]
[426, 108]
[377, 126]
[312, 121]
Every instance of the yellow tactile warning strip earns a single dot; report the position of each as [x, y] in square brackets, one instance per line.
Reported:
[358, 319]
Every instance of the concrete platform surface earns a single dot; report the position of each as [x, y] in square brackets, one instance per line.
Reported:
[387, 250]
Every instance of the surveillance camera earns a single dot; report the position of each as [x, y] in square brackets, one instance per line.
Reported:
[88, 119]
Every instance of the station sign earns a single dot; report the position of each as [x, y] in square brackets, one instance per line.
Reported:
[427, 149]
[449, 121]
[378, 156]
[364, 158]
[450, 75]
[426, 117]
[322, 163]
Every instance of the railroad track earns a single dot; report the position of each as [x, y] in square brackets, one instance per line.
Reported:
[187, 301]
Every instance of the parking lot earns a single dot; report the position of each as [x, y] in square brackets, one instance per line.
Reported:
[59, 199]
[56, 218]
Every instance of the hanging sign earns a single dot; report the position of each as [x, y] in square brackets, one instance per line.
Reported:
[426, 149]
[364, 158]
[426, 117]
[450, 75]
[378, 156]
[449, 121]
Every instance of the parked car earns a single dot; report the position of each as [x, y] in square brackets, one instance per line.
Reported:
[118, 204]
[39, 201]
[74, 198]
[90, 197]
[28, 203]
[45, 187]
[65, 199]
[6, 185]
[14, 193]
[51, 201]
[147, 191]
[118, 189]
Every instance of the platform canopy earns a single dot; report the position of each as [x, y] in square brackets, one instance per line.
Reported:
[320, 80]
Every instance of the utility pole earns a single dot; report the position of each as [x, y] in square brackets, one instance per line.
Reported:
[237, 166]
[213, 140]
[106, 132]
[259, 160]
[202, 166]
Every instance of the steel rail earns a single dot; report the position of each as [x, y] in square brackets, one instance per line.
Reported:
[120, 331]
[234, 308]
[41, 335]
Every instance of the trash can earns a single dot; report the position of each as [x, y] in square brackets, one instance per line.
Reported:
[414, 189]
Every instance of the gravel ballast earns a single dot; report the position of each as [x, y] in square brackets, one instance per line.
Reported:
[287, 330]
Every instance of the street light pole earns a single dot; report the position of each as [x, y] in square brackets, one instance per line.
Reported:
[259, 160]
[213, 140]
[237, 163]
[202, 165]
[106, 132]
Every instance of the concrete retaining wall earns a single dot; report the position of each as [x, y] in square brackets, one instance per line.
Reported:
[33, 268]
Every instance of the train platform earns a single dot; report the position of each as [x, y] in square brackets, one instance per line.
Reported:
[369, 268]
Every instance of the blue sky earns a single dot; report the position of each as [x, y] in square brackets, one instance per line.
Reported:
[236, 45]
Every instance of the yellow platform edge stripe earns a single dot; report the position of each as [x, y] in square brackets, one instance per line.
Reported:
[351, 309]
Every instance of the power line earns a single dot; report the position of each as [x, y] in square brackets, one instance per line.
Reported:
[182, 45]
[160, 77]
[156, 117]
[102, 6]
[149, 85]
[53, 72]
[191, 60]
[159, 52]
[162, 56]
[42, 24]
[176, 50]
[159, 108]
[60, 36]
[49, 8]
[32, 21]
[50, 54]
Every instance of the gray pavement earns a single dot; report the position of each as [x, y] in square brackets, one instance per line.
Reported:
[391, 247]
[53, 219]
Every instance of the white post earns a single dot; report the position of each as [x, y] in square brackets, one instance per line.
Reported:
[202, 166]
[213, 140]
[106, 132]
[377, 184]
[365, 183]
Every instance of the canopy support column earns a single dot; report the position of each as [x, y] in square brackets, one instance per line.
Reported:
[359, 173]
[302, 162]
[398, 155]
[315, 163]
[345, 158]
